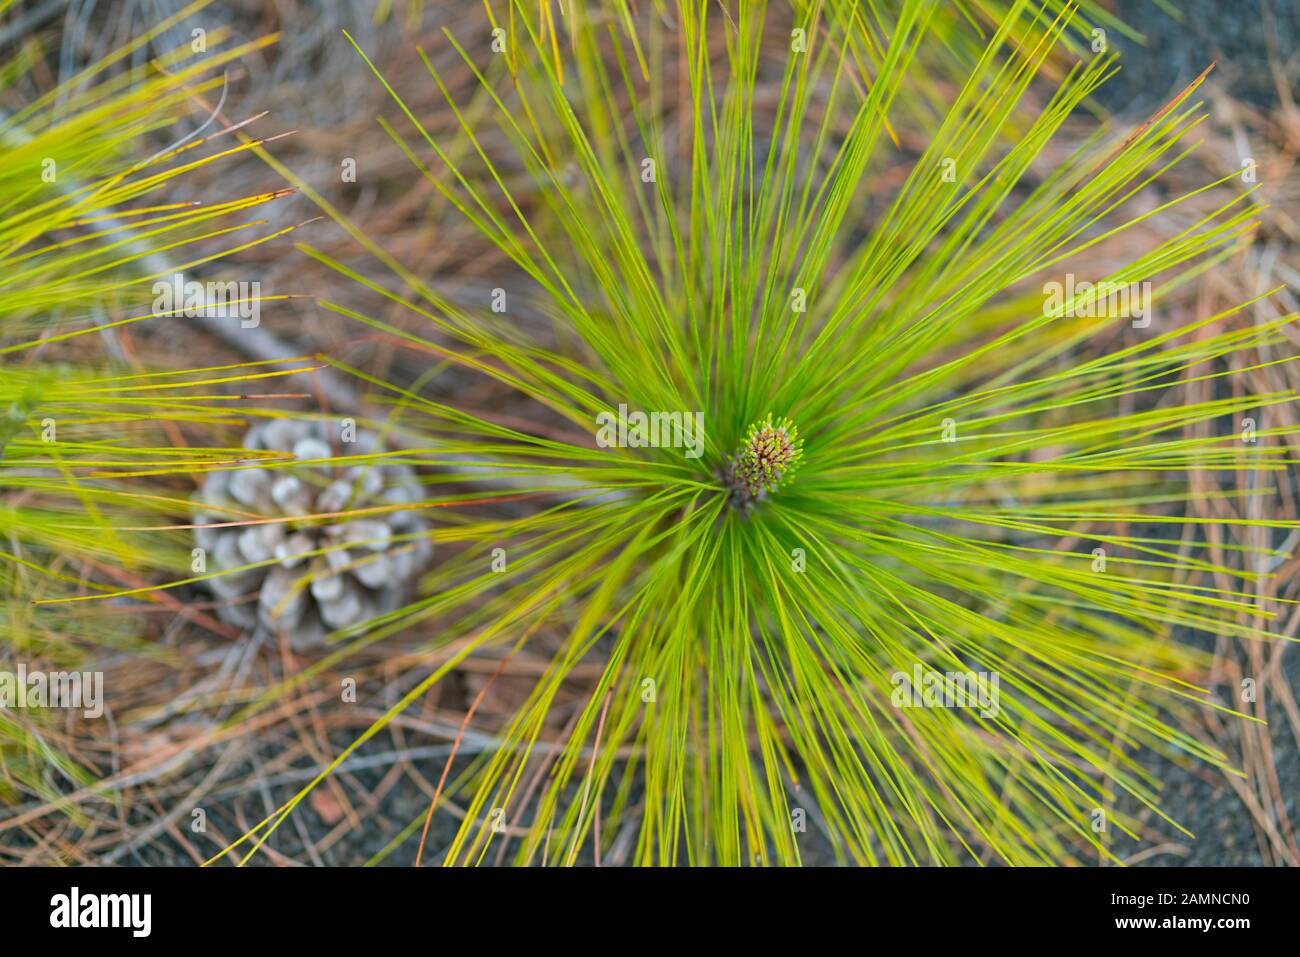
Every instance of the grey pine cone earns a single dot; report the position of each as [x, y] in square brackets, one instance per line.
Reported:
[363, 573]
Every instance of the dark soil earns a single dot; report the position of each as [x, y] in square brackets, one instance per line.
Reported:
[1245, 38]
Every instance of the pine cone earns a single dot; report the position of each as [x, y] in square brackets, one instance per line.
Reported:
[364, 573]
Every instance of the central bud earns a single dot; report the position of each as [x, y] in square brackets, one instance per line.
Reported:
[765, 460]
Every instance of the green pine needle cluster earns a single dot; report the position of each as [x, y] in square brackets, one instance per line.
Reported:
[970, 454]
[88, 446]
[721, 210]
